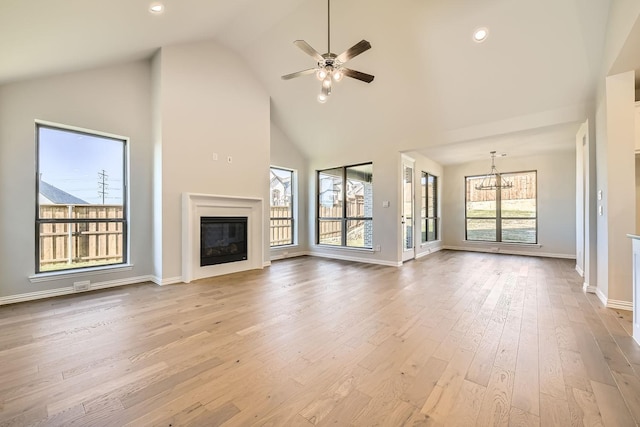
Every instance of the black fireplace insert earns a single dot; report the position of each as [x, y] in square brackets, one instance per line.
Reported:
[222, 239]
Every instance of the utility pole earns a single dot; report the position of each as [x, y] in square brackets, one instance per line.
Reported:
[103, 185]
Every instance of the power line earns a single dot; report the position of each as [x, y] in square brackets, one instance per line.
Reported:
[103, 185]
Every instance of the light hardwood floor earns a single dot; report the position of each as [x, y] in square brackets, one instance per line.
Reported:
[454, 338]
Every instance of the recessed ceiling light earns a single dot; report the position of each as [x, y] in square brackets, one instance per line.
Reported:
[480, 34]
[156, 8]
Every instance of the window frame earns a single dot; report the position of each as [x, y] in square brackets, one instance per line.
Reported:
[293, 209]
[424, 216]
[40, 124]
[344, 219]
[498, 218]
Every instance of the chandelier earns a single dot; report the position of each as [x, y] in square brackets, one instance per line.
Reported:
[493, 180]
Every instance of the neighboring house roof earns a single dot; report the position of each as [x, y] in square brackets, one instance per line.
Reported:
[286, 183]
[57, 196]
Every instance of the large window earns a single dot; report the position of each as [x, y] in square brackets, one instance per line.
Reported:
[81, 188]
[345, 206]
[506, 215]
[429, 207]
[281, 200]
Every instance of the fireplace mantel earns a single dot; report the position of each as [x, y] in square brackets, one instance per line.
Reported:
[196, 205]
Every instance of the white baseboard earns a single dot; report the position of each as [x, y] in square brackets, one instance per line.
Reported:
[429, 251]
[588, 288]
[612, 303]
[620, 305]
[168, 281]
[30, 296]
[357, 259]
[289, 255]
[579, 270]
[508, 251]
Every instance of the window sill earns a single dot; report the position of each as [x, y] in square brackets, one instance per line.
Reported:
[275, 248]
[345, 248]
[504, 244]
[71, 274]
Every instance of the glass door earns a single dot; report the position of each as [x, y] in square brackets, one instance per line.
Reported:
[407, 209]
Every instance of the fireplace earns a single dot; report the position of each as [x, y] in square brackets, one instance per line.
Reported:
[222, 239]
[196, 206]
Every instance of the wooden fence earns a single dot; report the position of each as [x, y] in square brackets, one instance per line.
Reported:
[330, 232]
[281, 233]
[80, 244]
[524, 187]
[97, 243]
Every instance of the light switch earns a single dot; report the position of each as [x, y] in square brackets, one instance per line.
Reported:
[386, 203]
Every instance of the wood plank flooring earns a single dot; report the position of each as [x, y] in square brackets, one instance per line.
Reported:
[454, 338]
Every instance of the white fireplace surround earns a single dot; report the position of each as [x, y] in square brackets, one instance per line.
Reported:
[196, 205]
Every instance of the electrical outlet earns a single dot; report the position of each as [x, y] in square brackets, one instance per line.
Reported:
[83, 285]
[214, 157]
[378, 248]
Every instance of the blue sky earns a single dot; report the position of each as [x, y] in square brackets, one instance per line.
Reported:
[72, 162]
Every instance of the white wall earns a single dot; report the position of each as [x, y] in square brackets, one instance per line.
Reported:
[209, 103]
[386, 222]
[616, 181]
[556, 203]
[285, 154]
[637, 230]
[115, 100]
[611, 98]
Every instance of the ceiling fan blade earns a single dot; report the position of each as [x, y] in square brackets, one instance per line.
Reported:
[367, 78]
[354, 51]
[299, 73]
[309, 50]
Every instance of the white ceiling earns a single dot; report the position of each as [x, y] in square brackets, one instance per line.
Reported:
[524, 90]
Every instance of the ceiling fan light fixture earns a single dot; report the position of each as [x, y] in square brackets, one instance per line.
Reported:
[329, 65]
[321, 73]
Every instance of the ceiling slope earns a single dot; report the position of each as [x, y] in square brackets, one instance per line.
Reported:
[535, 74]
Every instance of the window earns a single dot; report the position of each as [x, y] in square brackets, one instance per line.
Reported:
[81, 193]
[345, 206]
[429, 209]
[281, 199]
[508, 215]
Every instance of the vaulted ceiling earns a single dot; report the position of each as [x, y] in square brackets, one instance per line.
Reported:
[525, 89]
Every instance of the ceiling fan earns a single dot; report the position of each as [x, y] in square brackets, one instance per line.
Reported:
[331, 66]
